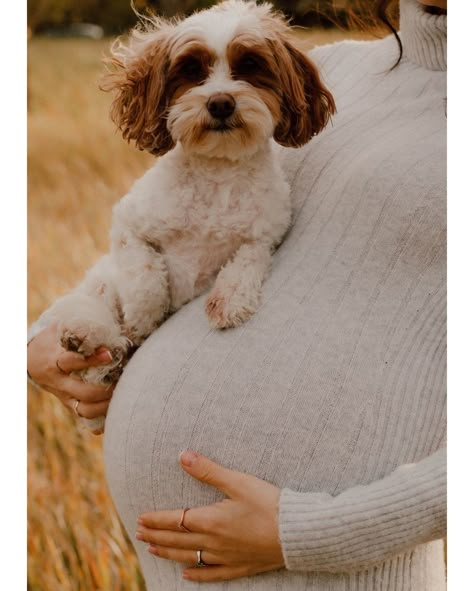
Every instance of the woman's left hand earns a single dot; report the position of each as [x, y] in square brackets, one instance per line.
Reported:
[237, 537]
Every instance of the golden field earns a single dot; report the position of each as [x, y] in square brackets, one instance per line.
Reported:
[78, 166]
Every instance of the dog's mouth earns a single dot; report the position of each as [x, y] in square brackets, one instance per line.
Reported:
[222, 127]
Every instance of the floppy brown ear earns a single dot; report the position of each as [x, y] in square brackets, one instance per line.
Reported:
[307, 105]
[140, 105]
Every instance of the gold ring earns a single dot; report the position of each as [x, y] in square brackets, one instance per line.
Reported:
[76, 404]
[61, 370]
[181, 521]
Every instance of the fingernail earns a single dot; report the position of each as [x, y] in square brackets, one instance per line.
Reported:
[140, 521]
[139, 535]
[105, 356]
[188, 458]
[186, 575]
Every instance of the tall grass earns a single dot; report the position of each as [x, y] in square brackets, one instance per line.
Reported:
[78, 166]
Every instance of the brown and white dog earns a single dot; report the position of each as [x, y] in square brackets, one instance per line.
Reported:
[209, 94]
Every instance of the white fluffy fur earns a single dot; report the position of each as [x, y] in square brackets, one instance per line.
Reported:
[207, 215]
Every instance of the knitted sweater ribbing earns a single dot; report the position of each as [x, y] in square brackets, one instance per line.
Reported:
[367, 524]
[339, 379]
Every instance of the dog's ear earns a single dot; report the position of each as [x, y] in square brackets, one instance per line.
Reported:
[307, 105]
[138, 79]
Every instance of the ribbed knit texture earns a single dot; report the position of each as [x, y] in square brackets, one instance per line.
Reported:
[365, 525]
[424, 36]
[339, 378]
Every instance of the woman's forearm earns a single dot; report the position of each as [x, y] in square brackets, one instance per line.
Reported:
[365, 524]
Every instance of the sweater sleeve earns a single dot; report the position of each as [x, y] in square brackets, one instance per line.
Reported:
[365, 524]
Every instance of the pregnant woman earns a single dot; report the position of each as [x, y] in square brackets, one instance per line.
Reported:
[321, 421]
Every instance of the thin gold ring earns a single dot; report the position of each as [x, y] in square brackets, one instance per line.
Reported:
[181, 521]
[61, 370]
[76, 404]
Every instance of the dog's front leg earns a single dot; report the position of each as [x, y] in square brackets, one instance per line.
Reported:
[87, 319]
[142, 285]
[237, 291]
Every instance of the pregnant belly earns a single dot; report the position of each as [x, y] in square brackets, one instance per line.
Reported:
[271, 399]
[298, 412]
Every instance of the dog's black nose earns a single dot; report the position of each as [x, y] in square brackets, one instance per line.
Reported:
[221, 106]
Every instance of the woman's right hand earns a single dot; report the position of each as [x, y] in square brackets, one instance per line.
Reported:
[50, 366]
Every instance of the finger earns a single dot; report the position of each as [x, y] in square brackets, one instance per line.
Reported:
[89, 410]
[169, 520]
[185, 556]
[86, 392]
[181, 541]
[230, 482]
[68, 400]
[69, 361]
[216, 573]
[198, 520]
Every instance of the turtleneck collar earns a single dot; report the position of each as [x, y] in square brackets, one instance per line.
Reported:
[424, 35]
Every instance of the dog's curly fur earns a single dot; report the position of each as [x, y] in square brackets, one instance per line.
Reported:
[214, 206]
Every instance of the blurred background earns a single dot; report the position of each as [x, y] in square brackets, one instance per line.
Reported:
[60, 17]
[78, 167]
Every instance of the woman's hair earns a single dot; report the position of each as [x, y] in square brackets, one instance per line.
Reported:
[368, 15]
[382, 14]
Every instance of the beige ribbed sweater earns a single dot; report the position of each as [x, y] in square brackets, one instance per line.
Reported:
[338, 381]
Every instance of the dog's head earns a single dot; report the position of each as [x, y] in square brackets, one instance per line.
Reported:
[221, 82]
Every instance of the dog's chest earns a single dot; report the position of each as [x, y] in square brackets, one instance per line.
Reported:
[213, 216]
[208, 228]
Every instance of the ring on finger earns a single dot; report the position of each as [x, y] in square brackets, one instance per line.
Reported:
[75, 407]
[200, 561]
[61, 370]
[181, 521]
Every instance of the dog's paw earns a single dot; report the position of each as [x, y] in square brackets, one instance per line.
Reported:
[76, 339]
[225, 309]
[86, 339]
[108, 373]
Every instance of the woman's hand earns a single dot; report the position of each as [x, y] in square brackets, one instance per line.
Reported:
[50, 366]
[237, 537]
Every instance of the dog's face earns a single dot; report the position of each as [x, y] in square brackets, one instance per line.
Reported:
[221, 82]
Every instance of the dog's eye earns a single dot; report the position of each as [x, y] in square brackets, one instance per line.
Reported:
[192, 69]
[248, 64]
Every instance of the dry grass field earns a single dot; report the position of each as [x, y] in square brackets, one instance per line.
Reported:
[78, 166]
